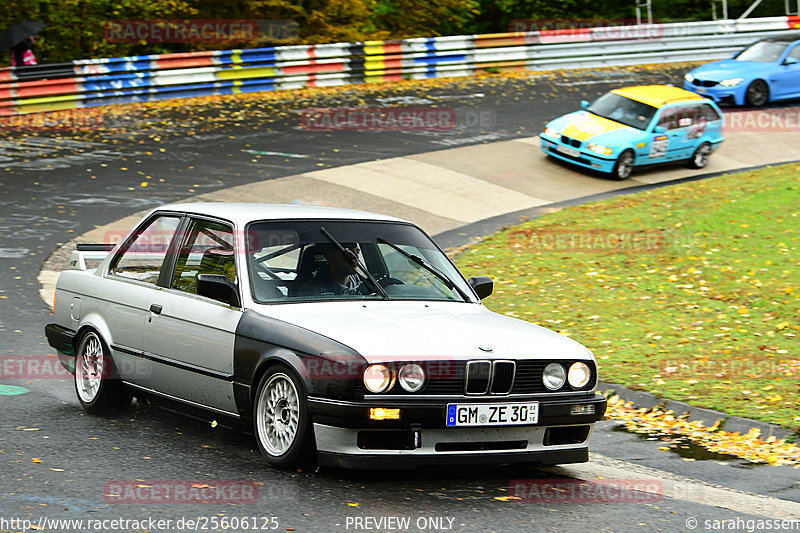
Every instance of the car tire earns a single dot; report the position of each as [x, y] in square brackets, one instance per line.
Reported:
[700, 157]
[624, 166]
[281, 422]
[757, 94]
[97, 384]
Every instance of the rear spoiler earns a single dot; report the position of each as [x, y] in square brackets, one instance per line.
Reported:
[91, 252]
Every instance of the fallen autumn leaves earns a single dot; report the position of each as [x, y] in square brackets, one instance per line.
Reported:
[658, 422]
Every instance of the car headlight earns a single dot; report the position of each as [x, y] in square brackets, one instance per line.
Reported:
[554, 376]
[552, 132]
[377, 378]
[688, 77]
[411, 377]
[600, 149]
[733, 82]
[579, 375]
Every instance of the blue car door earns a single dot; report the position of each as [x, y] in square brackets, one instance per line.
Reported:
[785, 79]
[671, 141]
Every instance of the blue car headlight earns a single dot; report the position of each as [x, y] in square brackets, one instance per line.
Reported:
[733, 82]
[688, 77]
[600, 149]
[552, 132]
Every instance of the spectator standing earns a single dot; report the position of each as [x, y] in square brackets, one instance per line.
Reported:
[22, 53]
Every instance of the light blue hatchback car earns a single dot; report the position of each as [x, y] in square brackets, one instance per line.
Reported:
[766, 71]
[636, 126]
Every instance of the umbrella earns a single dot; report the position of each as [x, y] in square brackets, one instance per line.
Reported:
[19, 32]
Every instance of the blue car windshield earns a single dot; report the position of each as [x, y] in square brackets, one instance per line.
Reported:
[762, 51]
[623, 110]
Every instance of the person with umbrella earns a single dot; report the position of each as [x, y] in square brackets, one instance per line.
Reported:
[20, 39]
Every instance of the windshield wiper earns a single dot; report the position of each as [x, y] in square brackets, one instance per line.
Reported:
[427, 266]
[354, 261]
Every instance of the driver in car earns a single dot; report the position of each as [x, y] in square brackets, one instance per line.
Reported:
[629, 113]
[335, 277]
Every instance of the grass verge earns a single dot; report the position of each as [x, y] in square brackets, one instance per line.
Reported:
[691, 292]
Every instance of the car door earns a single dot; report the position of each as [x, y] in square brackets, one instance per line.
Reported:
[708, 124]
[665, 139]
[785, 79]
[682, 125]
[189, 337]
[130, 285]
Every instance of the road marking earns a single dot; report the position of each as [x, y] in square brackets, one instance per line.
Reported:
[681, 488]
[13, 253]
[438, 190]
[279, 154]
[592, 82]
[11, 390]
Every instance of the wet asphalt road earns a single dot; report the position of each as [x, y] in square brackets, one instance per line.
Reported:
[55, 189]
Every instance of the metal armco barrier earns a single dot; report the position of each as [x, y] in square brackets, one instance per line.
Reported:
[98, 82]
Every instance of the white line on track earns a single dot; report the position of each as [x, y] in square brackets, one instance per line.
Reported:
[680, 487]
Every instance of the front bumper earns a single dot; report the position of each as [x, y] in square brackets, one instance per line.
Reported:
[720, 94]
[586, 158]
[346, 436]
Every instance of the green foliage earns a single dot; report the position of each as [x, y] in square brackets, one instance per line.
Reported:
[397, 19]
[706, 311]
[76, 27]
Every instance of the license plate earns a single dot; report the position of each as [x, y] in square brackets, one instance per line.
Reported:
[492, 414]
[568, 150]
[702, 90]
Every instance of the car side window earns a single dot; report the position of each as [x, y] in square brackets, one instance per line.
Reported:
[206, 249]
[795, 53]
[685, 116]
[669, 119]
[709, 113]
[143, 257]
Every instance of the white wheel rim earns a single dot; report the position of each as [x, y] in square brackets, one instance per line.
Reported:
[89, 368]
[278, 414]
[625, 166]
[701, 159]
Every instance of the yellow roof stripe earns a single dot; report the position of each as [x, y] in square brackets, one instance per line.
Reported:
[657, 95]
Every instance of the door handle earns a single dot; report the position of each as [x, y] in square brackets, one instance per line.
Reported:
[156, 309]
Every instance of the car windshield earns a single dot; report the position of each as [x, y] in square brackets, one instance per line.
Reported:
[343, 260]
[623, 110]
[762, 51]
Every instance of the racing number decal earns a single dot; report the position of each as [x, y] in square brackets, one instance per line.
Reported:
[659, 146]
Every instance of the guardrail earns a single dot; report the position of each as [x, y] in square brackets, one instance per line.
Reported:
[98, 82]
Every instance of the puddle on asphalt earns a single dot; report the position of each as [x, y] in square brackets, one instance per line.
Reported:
[687, 449]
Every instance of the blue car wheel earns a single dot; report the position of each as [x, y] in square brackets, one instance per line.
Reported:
[757, 94]
[624, 166]
[700, 157]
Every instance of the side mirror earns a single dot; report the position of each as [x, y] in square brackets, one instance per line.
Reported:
[791, 61]
[219, 288]
[584, 104]
[660, 129]
[482, 285]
